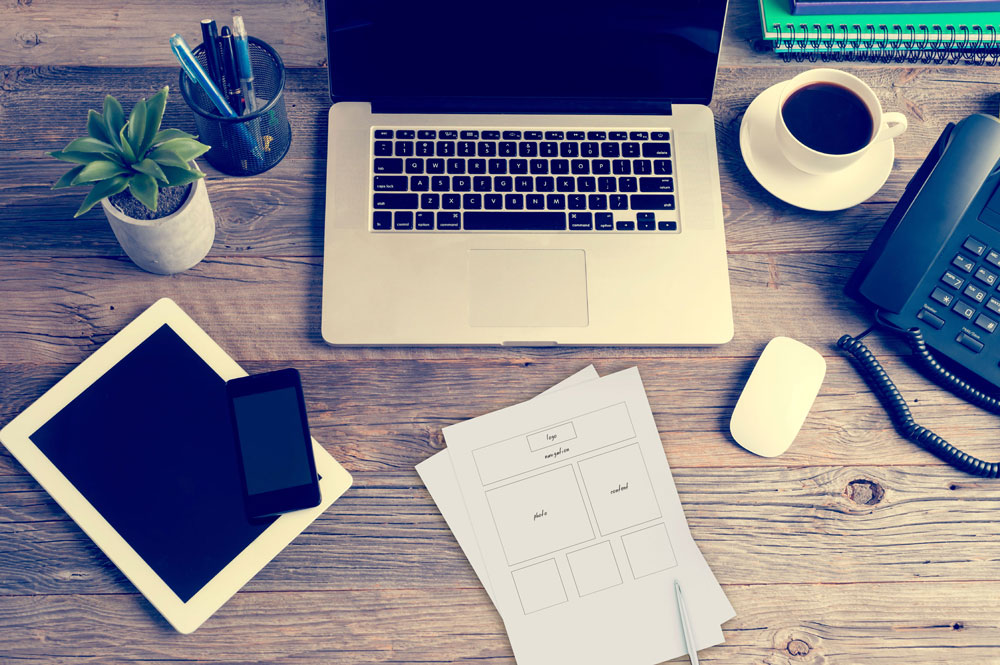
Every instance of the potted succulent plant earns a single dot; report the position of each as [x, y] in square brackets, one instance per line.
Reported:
[152, 192]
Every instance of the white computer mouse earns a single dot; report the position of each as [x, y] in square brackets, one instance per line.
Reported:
[777, 397]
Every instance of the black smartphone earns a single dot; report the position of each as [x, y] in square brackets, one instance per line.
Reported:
[273, 442]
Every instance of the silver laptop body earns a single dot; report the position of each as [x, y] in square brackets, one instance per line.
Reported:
[436, 275]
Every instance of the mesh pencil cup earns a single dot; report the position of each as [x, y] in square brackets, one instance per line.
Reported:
[249, 144]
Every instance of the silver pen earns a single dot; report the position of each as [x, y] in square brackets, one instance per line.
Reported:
[686, 624]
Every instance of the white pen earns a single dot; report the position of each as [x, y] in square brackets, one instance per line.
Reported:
[686, 624]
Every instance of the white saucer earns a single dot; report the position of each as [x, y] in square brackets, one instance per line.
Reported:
[834, 191]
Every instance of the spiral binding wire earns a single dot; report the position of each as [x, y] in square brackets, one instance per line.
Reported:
[877, 378]
[922, 44]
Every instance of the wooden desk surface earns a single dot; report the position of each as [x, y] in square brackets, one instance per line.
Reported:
[855, 547]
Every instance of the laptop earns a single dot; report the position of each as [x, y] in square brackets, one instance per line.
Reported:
[524, 173]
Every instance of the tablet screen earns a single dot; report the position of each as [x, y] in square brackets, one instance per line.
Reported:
[150, 445]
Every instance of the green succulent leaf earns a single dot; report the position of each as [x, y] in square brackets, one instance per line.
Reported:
[154, 115]
[126, 149]
[99, 170]
[149, 167]
[96, 127]
[102, 190]
[76, 157]
[185, 149]
[67, 178]
[165, 157]
[178, 176]
[144, 188]
[88, 144]
[167, 134]
[137, 128]
[114, 118]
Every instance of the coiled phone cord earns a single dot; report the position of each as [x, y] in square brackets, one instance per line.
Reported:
[877, 378]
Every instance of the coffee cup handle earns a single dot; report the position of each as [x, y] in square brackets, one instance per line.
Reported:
[893, 124]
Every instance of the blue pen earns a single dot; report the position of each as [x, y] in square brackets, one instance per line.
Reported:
[194, 70]
[242, 47]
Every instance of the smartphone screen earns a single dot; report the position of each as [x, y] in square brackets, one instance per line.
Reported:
[269, 418]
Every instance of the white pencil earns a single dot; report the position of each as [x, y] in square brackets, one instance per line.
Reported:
[686, 624]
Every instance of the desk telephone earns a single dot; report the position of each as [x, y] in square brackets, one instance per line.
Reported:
[932, 275]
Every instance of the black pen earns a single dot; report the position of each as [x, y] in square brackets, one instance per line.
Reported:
[209, 38]
[229, 63]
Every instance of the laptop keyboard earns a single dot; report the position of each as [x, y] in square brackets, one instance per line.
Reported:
[522, 180]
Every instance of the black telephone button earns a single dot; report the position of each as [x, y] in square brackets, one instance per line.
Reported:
[963, 263]
[942, 296]
[974, 292]
[974, 246]
[969, 342]
[986, 276]
[964, 309]
[993, 257]
[993, 305]
[931, 319]
[952, 280]
[986, 323]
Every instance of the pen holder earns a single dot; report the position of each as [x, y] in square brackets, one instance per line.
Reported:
[252, 143]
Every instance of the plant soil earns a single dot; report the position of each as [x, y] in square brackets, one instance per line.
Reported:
[168, 202]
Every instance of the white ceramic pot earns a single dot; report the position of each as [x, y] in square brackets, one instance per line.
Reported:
[170, 244]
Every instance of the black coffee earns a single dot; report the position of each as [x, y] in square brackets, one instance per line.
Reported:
[828, 118]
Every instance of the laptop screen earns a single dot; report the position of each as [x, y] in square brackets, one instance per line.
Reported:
[646, 50]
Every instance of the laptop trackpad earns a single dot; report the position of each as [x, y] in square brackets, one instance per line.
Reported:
[527, 287]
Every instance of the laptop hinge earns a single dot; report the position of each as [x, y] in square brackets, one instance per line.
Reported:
[521, 105]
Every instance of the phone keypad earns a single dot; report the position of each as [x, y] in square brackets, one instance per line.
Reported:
[985, 269]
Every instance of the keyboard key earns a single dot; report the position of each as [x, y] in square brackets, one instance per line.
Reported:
[383, 133]
[963, 263]
[404, 134]
[607, 185]
[469, 134]
[404, 148]
[503, 183]
[645, 217]
[482, 183]
[942, 296]
[390, 183]
[600, 166]
[642, 166]
[568, 150]
[415, 165]
[472, 201]
[403, 220]
[395, 201]
[586, 184]
[627, 184]
[461, 183]
[426, 134]
[548, 149]
[662, 167]
[534, 202]
[545, 184]
[446, 148]
[382, 220]
[575, 136]
[618, 202]
[507, 149]
[661, 136]
[993, 258]
[993, 305]
[598, 202]
[638, 136]
[932, 320]
[528, 220]
[588, 149]
[655, 149]
[580, 166]
[952, 280]
[435, 165]
[419, 183]
[518, 166]
[456, 166]
[493, 201]
[625, 226]
[430, 201]
[969, 342]
[383, 148]
[621, 167]
[577, 202]
[986, 276]
[559, 166]
[975, 246]
[630, 150]
[491, 135]
[558, 202]
[449, 221]
[388, 166]
[645, 226]
[580, 221]
[523, 183]
[566, 184]
[425, 221]
[497, 166]
[975, 293]
[512, 136]
[477, 166]
[667, 226]
[451, 201]
[441, 183]
[450, 134]
[533, 135]
[596, 136]
[486, 148]
[651, 201]
[513, 201]
[539, 166]
[527, 149]
[609, 150]
[986, 323]
[617, 136]
[553, 136]
[604, 221]
[466, 148]
[656, 184]
[425, 148]
[964, 309]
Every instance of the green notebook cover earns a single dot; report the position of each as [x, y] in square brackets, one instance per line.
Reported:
[968, 29]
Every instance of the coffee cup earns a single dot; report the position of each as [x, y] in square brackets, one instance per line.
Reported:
[828, 119]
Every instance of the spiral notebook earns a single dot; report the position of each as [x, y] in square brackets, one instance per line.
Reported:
[925, 37]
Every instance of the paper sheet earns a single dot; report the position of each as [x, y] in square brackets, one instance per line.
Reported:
[578, 530]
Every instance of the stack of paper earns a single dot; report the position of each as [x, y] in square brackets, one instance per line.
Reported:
[567, 511]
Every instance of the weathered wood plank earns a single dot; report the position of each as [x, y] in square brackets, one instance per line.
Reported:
[904, 623]
[830, 525]
[281, 212]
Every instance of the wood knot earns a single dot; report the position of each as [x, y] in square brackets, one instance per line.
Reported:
[958, 625]
[797, 647]
[864, 492]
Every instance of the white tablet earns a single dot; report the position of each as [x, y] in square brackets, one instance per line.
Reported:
[136, 445]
